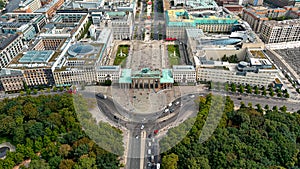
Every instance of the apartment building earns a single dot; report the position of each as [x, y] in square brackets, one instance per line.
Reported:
[11, 80]
[281, 31]
[256, 16]
[10, 46]
[184, 74]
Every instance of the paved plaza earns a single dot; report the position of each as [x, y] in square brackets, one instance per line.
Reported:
[146, 54]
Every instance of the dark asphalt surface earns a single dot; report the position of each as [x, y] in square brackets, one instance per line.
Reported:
[116, 113]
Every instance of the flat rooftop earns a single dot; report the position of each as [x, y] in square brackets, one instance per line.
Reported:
[6, 39]
[181, 17]
[36, 56]
[183, 68]
[107, 68]
[125, 76]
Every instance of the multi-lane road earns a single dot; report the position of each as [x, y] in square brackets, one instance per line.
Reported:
[159, 120]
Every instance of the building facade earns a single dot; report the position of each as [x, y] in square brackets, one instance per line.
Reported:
[184, 74]
[38, 76]
[112, 73]
[10, 46]
[281, 31]
[177, 21]
[120, 22]
[11, 80]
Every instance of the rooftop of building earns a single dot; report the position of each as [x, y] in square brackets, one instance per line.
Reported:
[181, 17]
[10, 72]
[201, 4]
[6, 39]
[46, 7]
[36, 56]
[34, 59]
[125, 76]
[81, 55]
[291, 22]
[146, 72]
[167, 76]
[183, 68]
[104, 35]
[108, 68]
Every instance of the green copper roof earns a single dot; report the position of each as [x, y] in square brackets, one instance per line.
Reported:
[167, 76]
[125, 76]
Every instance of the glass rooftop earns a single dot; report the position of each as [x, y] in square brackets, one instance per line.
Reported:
[37, 56]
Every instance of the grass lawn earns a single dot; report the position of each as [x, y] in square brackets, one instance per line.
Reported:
[173, 60]
[120, 60]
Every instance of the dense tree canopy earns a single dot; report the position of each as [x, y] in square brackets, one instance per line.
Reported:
[46, 130]
[245, 138]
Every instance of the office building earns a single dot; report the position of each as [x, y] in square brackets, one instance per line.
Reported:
[184, 74]
[121, 24]
[112, 73]
[256, 70]
[179, 20]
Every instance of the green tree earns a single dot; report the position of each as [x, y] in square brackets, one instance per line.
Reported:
[22, 93]
[198, 163]
[28, 91]
[38, 164]
[287, 95]
[170, 161]
[241, 89]
[264, 92]
[283, 109]
[66, 164]
[35, 91]
[249, 89]
[86, 163]
[224, 58]
[233, 87]
[226, 87]
[64, 150]
[259, 108]
[54, 89]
